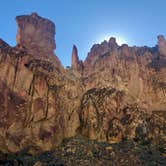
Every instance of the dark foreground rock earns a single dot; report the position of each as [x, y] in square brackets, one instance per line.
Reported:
[81, 151]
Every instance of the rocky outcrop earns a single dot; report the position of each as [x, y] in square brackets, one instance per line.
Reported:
[123, 78]
[117, 93]
[77, 65]
[41, 97]
[107, 115]
[135, 70]
[110, 116]
[75, 58]
[37, 35]
[35, 93]
[100, 50]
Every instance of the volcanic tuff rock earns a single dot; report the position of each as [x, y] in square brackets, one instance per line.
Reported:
[118, 92]
[37, 35]
[34, 32]
[77, 65]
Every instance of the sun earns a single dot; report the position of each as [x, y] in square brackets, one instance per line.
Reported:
[119, 38]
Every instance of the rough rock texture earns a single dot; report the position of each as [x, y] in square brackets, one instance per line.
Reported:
[77, 65]
[38, 99]
[105, 115]
[85, 152]
[135, 70]
[36, 93]
[117, 93]
[37, 35]
[99, 50]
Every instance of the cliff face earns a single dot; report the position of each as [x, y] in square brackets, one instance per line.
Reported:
[138, 71]
[125, 88]
[36, 34]
[117, 92]
[38, 99]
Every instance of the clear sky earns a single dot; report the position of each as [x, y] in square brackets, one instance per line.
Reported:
[85, 22]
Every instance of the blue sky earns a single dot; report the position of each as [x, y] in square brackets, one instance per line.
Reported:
[85, 22]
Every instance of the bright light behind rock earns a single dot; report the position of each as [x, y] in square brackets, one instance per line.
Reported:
[119, 38]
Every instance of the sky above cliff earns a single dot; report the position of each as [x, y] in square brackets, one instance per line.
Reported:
[86, 22]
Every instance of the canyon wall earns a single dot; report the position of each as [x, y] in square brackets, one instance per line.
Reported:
[118, 92]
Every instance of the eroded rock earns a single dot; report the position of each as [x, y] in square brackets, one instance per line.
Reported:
[77, 65]
[37, 35]
[117, 93]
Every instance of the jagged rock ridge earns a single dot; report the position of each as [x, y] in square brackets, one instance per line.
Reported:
[118, 92]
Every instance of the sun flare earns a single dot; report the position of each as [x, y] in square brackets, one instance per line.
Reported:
[119, 39]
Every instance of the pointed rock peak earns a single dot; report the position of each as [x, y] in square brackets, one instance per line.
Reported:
[112, 43]
[75, 58]
[75, 52]
[112, 40]
[34, 14]
[74, 47]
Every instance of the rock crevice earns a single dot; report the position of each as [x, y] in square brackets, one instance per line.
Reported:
[117, 93]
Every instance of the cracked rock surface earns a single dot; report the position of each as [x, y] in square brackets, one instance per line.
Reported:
[118, 93]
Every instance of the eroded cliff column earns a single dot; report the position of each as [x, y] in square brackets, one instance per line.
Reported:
[77, 65]
[36, 34]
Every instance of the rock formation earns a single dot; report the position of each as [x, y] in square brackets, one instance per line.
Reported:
[37, 35]
[36, 94]
[119, 94]
[99, 50]
[77, 65]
